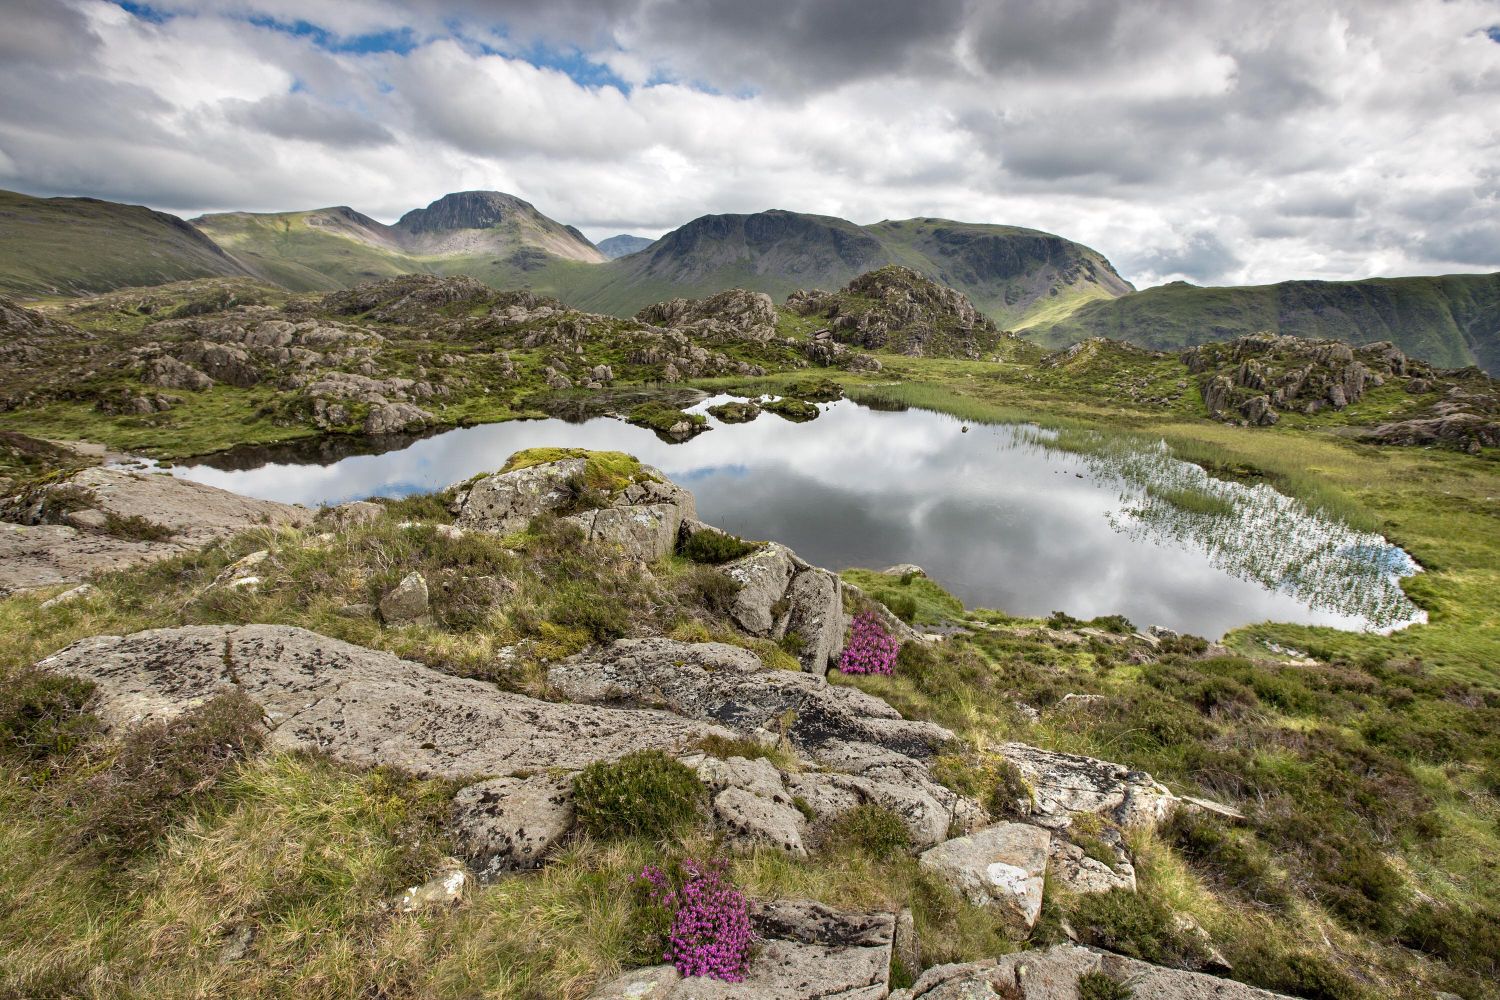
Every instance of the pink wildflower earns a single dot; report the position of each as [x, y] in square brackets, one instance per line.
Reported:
[871, 649]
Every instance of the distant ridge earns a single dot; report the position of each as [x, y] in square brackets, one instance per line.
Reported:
[623, 245]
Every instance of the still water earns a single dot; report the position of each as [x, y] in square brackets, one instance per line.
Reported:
[996, 514]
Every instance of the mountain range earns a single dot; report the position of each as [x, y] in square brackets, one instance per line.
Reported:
[1051, 289]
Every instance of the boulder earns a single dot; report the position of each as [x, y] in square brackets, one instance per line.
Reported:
[815, 613]
[1053, 974]
[79, 593]
[169, 373]
[763, 576]
[1077, 872]
[1064, 784]
[807, 951]
[395, 418]
[509, 823]
[360, 705]
[408, 603]
[446, 889]
[1001, 866]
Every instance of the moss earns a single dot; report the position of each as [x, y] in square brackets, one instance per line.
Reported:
[735, 412]
[1098, 986]
[608, 471]
[662, 418]
[796, 410]
[646, 794]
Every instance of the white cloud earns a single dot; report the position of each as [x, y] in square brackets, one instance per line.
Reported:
[1319, 139]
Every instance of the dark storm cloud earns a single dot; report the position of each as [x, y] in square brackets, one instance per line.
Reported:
[45, 32]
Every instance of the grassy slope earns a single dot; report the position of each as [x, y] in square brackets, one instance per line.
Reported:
[71, 246]
[1451, 321]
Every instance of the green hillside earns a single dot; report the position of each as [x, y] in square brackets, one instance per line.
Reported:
[1451, 321]
[73, 246]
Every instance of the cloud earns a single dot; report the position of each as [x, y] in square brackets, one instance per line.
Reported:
[1323, 138]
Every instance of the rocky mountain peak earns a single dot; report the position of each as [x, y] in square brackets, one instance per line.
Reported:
[464, 210]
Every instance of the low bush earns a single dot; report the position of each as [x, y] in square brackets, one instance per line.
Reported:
[647, 794]
[1098, 986]
[42, 715]
[1135, 924]
[714, 547]
[1467, 938]
[159, 768]
[1235, 865]
[870, 829]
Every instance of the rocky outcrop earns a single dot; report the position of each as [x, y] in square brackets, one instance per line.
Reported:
[366, 707]
[807, 950]
[395, 418]
[1064, 785]
[642, 518]
[1053, 974]
[732, 314]
[509, 823]
[895, 309]
[1000, 867]
[103, 519]
[781, 595]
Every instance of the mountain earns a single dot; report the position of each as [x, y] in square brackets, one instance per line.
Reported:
[496, 237]
[1016, 276]
[489, 222]
[623, 245]
[1451, 321]
[72, 246]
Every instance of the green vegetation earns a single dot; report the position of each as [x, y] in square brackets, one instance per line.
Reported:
[1194, 501]
[870, 829]
[796, 410]
[713, 547]
[1446, 320]
[664, 419]
[1098, 986]
[606, 471]
[646, 794]
[915, 599]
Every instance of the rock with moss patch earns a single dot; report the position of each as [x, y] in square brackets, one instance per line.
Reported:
[1001, 866]
[408, 603]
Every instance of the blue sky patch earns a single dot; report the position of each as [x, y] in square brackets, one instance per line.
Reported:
[1494, 33]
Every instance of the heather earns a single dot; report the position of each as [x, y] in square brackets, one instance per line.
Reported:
[697, 919]
[871, 649]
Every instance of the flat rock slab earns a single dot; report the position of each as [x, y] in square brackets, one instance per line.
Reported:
[358, 704]
[43, 555]
[808, 951]
[1000, 866]
[508, 823]
[724, 684]
[1053, 975]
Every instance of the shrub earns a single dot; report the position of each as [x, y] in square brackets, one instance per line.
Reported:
[1098, 986]
[160, 767]
[135, 528]
[714, 547]
[711, 589]
[42, 715]
[1210, 846]
[871, 649]
[646, 794]
[697, 918]
[1467, 939]
[1138, 925]
[583, 607]
[870, 829]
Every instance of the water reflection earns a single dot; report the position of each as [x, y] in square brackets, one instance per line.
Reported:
[994, 514]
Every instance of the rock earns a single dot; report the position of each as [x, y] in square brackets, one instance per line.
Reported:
[360, 705]
[728, 685]
[807, 951]
[78, 593]
[1077, 872]
[190, 514]
[169, 373]
[763, 576]
[643, 519]
[815, 613]
[904, 569]
[237, 573]
[87, 520]
[444, 890]
[408, 603]
[355, 514]
[395, 418]
[906, 946]
[510, 823]
[1053, 975]
[1001, 866]
[1065, 784]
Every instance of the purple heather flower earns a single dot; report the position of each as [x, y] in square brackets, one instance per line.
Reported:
[871, 649]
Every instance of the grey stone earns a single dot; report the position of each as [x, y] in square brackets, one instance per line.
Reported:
[509, 823]
[408, 603]
[355, 514]
[79, 593]
[360, 705]
[1079, 873]
[906, 946]
[445, 889]
[1001, 866]
[807, 951]
[815, 612]
[394, 418]
[1063, 785]
[763, 576]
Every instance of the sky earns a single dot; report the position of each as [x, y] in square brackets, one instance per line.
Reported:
[1216, 142]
